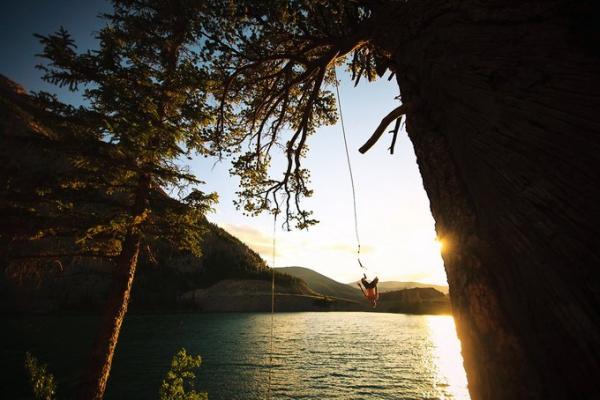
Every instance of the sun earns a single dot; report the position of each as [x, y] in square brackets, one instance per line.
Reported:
[438, 245]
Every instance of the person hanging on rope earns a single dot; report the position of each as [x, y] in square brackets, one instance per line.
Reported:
[370, 289]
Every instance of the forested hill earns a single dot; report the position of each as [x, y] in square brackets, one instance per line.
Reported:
[28, 155]
[227, 276]
[391, 286]
[323, 284]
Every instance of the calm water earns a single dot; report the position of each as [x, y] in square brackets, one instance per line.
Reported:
[316, 355]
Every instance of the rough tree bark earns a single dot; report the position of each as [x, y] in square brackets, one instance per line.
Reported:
[93, 384]
[503, 109]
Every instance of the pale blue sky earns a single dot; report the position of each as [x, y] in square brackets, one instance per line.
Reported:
[396, 227]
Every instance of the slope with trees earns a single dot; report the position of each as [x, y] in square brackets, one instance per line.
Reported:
[63, 282]
[390, 286]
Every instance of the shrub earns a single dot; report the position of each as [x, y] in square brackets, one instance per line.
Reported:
[42, 382]
[180, 379]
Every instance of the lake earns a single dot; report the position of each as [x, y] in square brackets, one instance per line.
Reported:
[332, 355]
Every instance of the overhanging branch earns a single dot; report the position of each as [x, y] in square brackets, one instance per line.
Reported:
[388, 119]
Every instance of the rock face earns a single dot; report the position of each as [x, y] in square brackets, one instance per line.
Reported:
[503, 111]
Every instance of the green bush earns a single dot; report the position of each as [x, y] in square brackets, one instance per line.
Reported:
[42, 382]
[180, 379]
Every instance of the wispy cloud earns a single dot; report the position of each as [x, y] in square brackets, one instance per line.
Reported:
[345, 248]
[262, 243]
[256, 239]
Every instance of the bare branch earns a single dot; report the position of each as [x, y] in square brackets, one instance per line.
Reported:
[388, 119]
[395, 134]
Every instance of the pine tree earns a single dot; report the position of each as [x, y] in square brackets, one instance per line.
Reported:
[180, 381]
[145, 107]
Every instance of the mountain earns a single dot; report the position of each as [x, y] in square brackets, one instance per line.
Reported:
[232, 295]
[229, 276]
[415, 301]
[80, 284]
[390, 286]
[402, 297]
[323, 284]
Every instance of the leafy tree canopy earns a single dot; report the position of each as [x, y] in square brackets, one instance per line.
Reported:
[272, 61]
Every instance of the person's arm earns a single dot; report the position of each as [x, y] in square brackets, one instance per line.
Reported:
[361, 289]
[376, 293]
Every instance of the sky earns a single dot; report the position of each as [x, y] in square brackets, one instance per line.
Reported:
[395, 223]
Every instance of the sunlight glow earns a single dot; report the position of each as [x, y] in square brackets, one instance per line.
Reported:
[439, 245]
[447, 356]
[397, 230]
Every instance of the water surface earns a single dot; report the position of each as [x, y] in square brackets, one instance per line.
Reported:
[315, 355]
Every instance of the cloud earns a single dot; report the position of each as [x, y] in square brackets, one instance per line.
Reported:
[346, 248]
[254, 238]
[262, 243]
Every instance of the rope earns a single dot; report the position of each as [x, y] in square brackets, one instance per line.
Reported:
[272, 301]
[339, 101]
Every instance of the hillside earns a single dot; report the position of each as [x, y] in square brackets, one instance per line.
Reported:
[390, 286]
[415, 301]
[29, 154]
[228, 276]
[323, 284]
[254, 295]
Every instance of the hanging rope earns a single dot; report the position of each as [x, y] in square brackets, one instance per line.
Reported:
[272, 301]
[339, 101]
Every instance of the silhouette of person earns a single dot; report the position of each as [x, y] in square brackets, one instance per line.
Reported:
[370, 289]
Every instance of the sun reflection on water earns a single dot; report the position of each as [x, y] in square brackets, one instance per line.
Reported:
[447, 357]
[367, 356]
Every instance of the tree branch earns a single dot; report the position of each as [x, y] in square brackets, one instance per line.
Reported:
[388, 119]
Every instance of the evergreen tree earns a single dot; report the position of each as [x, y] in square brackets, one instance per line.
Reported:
[42, 382]
[180, 380]
[145, 107]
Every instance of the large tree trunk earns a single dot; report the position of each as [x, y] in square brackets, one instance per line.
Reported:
[503, 106]
[96, 375]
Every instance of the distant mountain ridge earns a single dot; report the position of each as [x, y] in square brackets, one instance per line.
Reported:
[403, 297]
[391, 286]
[327, 286]
[415, 301]
[323, 284]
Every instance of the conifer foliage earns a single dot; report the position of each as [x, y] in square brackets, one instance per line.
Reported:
[179, 382]
[145, 108]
